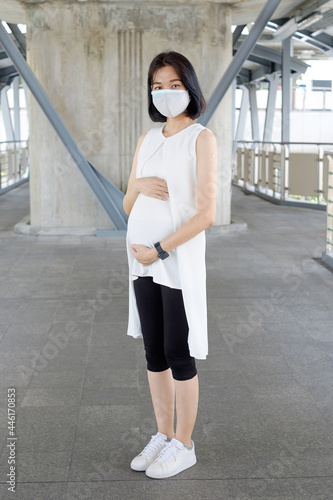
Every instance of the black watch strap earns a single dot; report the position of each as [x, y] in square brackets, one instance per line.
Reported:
[161, 253]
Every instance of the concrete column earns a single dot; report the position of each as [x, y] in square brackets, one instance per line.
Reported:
[211, 57]
[92, 60]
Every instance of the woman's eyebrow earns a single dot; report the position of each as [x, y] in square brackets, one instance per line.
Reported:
[174, 80]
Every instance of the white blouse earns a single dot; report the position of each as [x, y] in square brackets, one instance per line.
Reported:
[151, 221]
[178, 164]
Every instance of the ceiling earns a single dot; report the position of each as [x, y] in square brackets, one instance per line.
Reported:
[245, 11]
[311, 28]
[309, 22]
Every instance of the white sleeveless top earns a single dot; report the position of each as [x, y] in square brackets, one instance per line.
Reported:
[173, 159]
[151, 221]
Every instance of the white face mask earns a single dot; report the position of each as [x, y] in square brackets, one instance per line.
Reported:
[170, 102]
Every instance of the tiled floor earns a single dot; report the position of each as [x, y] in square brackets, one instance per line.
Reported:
[264, 429]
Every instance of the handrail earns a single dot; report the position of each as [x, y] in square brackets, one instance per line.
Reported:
[14, 164]
[14, 142]
[286, 143]
[329, 222]
[267, 168]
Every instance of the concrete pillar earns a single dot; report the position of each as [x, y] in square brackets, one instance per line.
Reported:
[211, 57]
[92, 60]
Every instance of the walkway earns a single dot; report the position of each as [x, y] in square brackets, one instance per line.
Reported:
[264, 429]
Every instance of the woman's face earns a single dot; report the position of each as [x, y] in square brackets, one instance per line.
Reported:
[167, 78]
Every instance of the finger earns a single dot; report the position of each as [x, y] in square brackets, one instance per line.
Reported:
[162, 186]
[162, 190]
[160, 197]
[160, 182]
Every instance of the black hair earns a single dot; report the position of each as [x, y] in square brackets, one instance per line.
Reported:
[187, 75]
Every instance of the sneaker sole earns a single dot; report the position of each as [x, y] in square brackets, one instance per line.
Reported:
[137, 469]
[164, 476]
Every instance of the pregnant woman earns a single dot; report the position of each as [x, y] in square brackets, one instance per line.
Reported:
[171, 200]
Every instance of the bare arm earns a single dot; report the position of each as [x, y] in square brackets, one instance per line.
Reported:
[207, 191]
[149, 186]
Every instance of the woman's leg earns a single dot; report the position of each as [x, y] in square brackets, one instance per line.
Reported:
[161, 384]
[162, 392]
[181, 363]
[187, 397]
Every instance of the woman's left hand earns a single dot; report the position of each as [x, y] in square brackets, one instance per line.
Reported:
[144, 255]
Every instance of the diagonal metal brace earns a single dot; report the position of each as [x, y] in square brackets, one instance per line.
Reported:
[98, 183]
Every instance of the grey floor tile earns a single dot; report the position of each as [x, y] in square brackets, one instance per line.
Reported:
[115, 490]
[108, 378]
[110, 396]
[57, 379]
[40, 466]
[109, 357]
[246, 489]
[47, 428]
[58, 396]
[36, 491]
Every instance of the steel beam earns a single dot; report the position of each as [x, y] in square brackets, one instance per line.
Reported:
[233, 109]
[287, 50]
[237, 33]
[113, 209]
[244, 75]
[323, 41]
[259, 74]
[7, 74]
[7, 120]
[17, 116]
[20, 38]
[262, 62]
[270, 110]
[25, 88]
[254, 112]
[244, 108]
[274, 56]
[239, 59]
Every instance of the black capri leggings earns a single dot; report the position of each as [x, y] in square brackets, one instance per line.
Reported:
[164, 328]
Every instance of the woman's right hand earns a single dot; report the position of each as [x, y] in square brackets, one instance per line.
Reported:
[153, 187]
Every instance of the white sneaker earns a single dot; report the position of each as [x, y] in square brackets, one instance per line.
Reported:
[142, 461]
[172, 460]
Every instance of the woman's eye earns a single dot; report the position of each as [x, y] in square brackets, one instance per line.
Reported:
[175, 85]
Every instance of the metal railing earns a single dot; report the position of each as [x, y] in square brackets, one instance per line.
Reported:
[329, 226]
[14, 164]
[288, 173]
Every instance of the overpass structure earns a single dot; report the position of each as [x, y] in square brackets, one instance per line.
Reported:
[91, 60]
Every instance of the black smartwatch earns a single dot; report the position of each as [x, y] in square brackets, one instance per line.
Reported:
[161, 253]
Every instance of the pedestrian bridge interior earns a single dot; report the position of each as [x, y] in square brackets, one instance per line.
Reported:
[82, 406]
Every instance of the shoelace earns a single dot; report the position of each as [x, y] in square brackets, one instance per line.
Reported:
[152, 446]
[171, 450]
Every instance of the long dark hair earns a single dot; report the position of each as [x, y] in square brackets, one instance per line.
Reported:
[187, 75]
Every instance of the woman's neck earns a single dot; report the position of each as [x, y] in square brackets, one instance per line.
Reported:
[176, 124]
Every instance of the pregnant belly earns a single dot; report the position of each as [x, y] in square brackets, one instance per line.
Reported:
[150, 221]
